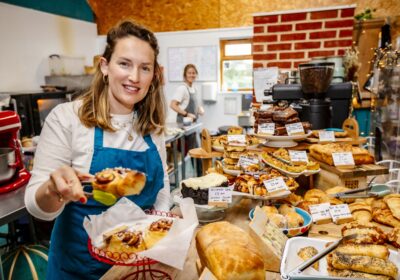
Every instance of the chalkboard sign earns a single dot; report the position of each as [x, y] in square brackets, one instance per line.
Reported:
[204, 58]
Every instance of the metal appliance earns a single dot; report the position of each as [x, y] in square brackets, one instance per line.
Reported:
[12, 171]
[318, 101]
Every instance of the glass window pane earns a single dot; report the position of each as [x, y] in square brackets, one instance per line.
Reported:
[237, 74]
[238, 49]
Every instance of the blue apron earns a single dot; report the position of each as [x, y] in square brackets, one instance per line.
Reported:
[69, 257]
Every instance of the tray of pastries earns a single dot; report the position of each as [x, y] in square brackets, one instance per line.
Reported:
[323, 153]
[218, 143]
[280, 160]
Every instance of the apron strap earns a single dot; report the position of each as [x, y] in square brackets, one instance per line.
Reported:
[98, 137]
[149, 141]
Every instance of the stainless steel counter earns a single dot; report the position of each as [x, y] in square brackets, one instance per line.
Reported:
[12, 206]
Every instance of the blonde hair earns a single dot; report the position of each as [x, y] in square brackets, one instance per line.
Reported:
[95, 109]
[187, 67]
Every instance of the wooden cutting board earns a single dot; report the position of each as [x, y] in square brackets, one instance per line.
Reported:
[358, 171]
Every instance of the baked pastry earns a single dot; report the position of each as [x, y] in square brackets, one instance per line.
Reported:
[229, 252]
[270, 209]
[339, 189]
[294, 220]
[284, 209]
[394, 237]
[324, 153]
[393, 202]
[338, 134]
[384, 216]
[292, 199]
[277, 219]
[231, 161]
[363, 264]
[355, 274]
[220, 141]
[316, 196]
[119, 181]
[235, 130]
[305, 205]
[235, 147]
[197, 188]
[157, 231]
[366, 233]
[361, 211]
[307, 253]
[126, 241]
[284, 115]
[371, 250]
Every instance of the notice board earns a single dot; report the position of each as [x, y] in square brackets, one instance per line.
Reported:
[204, 58]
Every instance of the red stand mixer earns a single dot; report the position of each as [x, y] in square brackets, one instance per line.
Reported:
[12, 171]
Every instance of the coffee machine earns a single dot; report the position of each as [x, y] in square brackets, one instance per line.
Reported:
[12, 171]
[318, 101]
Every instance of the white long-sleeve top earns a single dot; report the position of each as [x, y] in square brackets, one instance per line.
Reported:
[64, 140]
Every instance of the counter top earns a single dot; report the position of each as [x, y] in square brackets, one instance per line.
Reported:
[12, 205]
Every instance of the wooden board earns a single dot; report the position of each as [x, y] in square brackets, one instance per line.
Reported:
[357, 171]
[347, 140]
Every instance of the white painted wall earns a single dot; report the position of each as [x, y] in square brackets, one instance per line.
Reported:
[214, 116]
[28, 37]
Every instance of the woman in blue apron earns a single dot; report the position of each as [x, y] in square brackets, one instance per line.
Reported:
[117, 123]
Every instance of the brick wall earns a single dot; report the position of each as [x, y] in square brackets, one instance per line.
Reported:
[288, 38]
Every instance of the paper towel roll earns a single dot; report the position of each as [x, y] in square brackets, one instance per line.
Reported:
[209, 91]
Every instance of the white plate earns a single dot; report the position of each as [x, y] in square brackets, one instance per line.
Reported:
[276, 196]
[292, 174]
[291, 260]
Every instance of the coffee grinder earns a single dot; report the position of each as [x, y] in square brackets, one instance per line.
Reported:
[318, 101]
[12, 171]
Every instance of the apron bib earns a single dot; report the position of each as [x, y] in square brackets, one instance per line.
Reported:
[69, 257]
[191, 107]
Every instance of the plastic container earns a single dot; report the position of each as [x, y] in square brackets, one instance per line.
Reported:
[315, 78]
[66, 65]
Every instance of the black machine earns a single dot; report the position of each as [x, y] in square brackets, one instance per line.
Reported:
[318, 101]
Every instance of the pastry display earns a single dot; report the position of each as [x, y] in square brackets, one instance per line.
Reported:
[338, 134]
[229, 252]
[197, 188]
[119, 181]
[366, 233]
[280, 115]
[284, 217]
[280, 159]
[307, 253]
[323, 153]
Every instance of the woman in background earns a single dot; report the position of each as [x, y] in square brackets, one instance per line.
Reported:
[119, 122]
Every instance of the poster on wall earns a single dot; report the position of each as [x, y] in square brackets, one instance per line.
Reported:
[203, 57]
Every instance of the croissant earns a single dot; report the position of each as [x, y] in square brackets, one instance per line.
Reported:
[361, 211]
[393, 201]
[394, 237]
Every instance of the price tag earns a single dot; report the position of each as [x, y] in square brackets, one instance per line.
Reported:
[320, 213]
[275, 185]
[237, 139]
[298, 156]
[219, 196]
[340, 213]
[245, 161]
[265, 107]
[343, 159]
[294, 128]
[326, 136]
[266, 128]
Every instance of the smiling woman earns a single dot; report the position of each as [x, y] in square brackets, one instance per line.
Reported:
[118, 122]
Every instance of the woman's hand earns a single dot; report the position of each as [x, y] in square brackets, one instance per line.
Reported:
[66, 184]
[192, 116]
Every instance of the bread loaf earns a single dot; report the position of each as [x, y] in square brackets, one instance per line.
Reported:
[229, 252]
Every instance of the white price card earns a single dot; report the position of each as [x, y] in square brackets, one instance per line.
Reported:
[320, 213]
[245, 161]
[294, 128]
[275, 185]
[265, 107]
[326, 136]
[298, 156]
[218, 196]
[266, 128]
[237, 139]
[343, 159]
[340, 212]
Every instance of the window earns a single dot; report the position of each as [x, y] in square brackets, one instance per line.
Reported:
[236, 64]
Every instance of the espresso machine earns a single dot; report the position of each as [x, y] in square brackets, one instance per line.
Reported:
[12, 171]
[319, 102]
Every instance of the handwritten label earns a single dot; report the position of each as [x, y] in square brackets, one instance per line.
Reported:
[341, 211]
[275, 185]
[320, 212]
[245, 161]
[265, 107]
[218, 196]
[326, 136]
[294, 128]
[298, 156]
[266, 128]
[237, 139]
[343, 159]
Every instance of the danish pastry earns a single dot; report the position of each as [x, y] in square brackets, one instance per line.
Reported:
[157, 231]
[120, 181]
[126, 241]
[394, 237]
